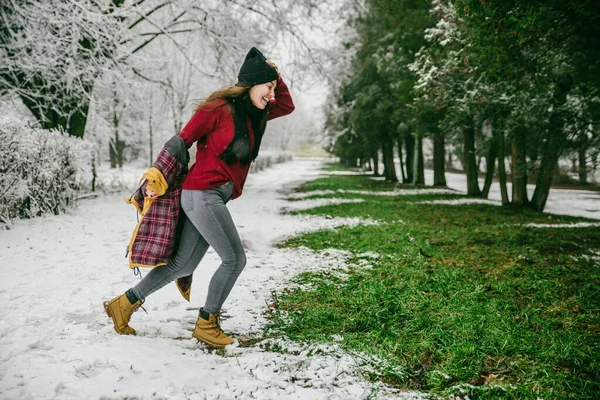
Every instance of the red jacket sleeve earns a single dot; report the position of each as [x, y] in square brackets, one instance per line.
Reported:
[202, 123]
[282, 104]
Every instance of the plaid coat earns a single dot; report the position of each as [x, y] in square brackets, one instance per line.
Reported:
[155, 237]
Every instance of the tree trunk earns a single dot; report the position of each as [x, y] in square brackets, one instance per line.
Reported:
[401, 161]
[76, 123]
[115, 147]
[419, 168]
[439, 159]
[49, 118]
[552, 145]
[112, 152]
[490, 164]
[388, 160]
[115, 150]
[470, 163]
[94, 173]
[384, 162]
[595, 156]
[519, 167]
[548, 166]
[533, 147]
[501, 166]
[582, 165]
[349, 162]
[410, 155]
[375, 158]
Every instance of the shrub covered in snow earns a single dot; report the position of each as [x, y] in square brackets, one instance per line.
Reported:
[38, 170]
[127, 179]
[267, 158]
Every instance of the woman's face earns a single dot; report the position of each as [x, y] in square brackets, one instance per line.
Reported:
[263, 93]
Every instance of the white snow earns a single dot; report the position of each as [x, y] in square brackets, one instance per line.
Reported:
[369, 254]
[397, 192]
[306, 204]
[345, 173]
[575, 225]
[455, 202]
[582, 203]
[56, 341]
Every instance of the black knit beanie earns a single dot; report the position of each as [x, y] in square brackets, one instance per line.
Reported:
[255, 69]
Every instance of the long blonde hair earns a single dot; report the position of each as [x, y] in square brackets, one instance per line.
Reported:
[223, 94]
[238, 97]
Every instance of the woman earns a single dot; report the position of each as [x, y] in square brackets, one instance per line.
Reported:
[228, 128]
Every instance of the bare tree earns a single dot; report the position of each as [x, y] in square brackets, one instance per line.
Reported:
[54, 52]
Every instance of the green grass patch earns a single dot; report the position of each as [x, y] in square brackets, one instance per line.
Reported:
[347, 182]
[462, 296]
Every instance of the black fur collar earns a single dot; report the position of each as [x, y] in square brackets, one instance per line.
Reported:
[239, 148]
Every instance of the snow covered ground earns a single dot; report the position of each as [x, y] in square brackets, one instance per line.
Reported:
[56, 341]
[581, 203]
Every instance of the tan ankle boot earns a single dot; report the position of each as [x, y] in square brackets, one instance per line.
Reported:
[209, 331]
[120, 310]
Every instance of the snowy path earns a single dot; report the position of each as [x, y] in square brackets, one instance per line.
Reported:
[56, 341]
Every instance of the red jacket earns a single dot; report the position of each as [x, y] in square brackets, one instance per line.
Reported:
[213, 128]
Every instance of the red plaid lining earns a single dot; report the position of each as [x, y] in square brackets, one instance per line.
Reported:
[155, 239]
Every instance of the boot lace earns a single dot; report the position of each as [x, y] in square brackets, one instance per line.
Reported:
[138, 306]
[217, 323]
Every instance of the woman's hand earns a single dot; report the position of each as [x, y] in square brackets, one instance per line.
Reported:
[272, 64]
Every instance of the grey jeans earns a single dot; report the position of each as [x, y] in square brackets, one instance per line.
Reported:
[208, 223]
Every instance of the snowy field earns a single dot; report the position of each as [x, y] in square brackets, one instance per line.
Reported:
[57, 343]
